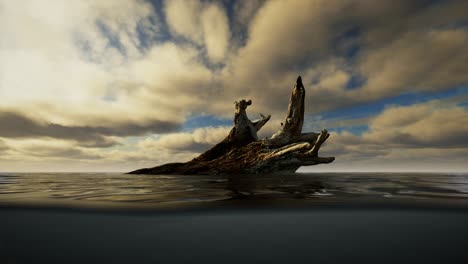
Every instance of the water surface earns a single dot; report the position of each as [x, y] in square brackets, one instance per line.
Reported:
[301, 218]
[154, 190]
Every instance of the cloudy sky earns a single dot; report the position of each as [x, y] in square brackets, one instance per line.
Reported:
[116, 85]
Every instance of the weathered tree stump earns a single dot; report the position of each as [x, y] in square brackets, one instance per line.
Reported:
[242, 153]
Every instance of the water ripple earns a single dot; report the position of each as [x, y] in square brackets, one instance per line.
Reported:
[115, 187]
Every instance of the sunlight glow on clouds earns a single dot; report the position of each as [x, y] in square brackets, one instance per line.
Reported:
[203, 23]
[78, 79]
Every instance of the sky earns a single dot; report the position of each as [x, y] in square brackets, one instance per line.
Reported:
[117, 85]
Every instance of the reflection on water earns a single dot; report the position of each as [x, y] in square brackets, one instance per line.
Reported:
[114, 187]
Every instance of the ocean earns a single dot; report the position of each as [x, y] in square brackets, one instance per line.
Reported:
[301, 218]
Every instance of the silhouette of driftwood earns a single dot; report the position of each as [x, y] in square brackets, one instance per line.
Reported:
[242, 153]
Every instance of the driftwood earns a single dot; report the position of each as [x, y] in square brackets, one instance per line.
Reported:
[242, 153]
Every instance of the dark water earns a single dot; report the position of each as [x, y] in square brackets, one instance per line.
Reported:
[302, 218]
[154, 190]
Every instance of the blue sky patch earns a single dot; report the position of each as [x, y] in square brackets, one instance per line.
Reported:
[355, 82]
[194, 122]
[355, 130]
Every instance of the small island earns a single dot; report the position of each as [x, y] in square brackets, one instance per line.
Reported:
[241, 152]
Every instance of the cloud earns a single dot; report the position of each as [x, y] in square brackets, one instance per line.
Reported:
[102, 62]
[61, 152]
[392, 48]
[70, 55]
[15, 125]
[421, 125]
[282, 37]
[182, 18]
[173, 70]
[431, 60]
[3, 146]
[246, 10]
[197, 141]
[51, 154]
[423, 52]
[216, 32]
[94, 74]
[242, 15]
[405, 135]
[206, 24]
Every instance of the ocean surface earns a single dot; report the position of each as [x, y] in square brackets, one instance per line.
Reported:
[301, 218]
[126, 190]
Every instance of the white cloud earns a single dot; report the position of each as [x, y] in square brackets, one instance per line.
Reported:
[83, 66]
[216, 32]
[201, 139]
[3, 146]
[429, 60]
[206, 24]
[423, 125]
[75, 65]
[432, 134]
[183, 18]
[421, 52]
[246, 9]
[55, 53]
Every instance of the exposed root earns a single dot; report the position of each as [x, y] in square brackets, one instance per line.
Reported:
[241, 152]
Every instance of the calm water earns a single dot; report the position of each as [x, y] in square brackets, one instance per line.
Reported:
[303, 218]
[116, 188]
